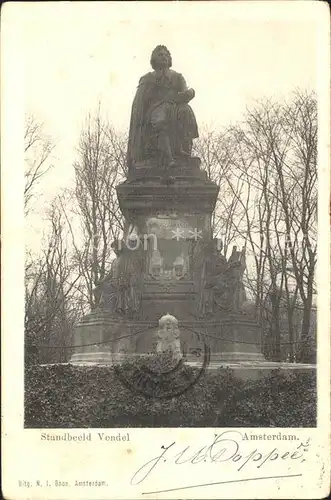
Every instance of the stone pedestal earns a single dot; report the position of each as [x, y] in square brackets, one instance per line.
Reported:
[255, 370]
[170, 211]
[105, 339]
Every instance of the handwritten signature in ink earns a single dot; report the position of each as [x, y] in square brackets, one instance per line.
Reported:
[225, 447]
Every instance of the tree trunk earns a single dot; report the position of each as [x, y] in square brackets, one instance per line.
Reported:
[305, 354]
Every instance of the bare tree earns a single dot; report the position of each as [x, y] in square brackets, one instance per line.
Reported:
[275, 153]
[50, 295]
[37, 149]
[215, 149]
[298, 188]
[100, 166]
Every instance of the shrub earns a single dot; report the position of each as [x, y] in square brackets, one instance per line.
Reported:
[64, 396]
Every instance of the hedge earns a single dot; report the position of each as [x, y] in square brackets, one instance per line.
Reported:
[68, 396]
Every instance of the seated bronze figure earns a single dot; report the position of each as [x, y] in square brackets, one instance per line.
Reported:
[162, 124]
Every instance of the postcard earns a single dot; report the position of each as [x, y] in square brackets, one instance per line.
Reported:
[165, 250]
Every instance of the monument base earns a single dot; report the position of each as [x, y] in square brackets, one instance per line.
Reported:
[233, 342]
[249, 370]
[101, 338]
[255, 370]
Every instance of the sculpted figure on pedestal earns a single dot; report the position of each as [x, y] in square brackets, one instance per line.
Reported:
[121, 288]
[229, 291]
[219, 282]
[162, 123]
[168, 337]
[209, 269]
[236, 269]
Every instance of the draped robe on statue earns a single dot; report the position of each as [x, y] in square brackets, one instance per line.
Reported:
[121, 288]
[154, 104]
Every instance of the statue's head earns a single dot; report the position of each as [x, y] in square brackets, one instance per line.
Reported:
[161, 57]
[168, 322]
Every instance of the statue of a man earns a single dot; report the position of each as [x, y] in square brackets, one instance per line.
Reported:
[162, 123]
[230, 291]
[237, 269]
[168, 337]
[209, 269]
[121, 288]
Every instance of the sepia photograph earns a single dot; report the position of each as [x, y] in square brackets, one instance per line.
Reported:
[171, 197]
[171, 268]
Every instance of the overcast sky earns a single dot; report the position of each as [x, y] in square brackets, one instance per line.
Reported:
[231, 53]
[77, 54]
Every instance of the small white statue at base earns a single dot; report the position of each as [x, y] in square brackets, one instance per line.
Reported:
[168, 337]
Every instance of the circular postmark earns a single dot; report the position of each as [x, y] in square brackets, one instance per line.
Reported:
[166, 372]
